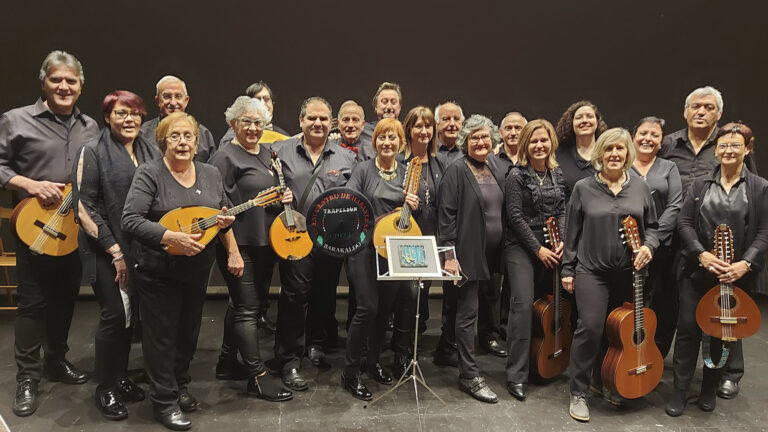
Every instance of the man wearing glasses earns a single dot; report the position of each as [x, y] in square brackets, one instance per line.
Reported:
[38, 147]
[171, 97]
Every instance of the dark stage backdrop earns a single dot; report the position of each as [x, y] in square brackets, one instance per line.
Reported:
[631, 58]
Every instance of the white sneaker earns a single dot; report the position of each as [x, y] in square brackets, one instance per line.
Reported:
[579, 409]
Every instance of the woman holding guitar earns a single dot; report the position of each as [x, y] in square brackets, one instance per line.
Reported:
[100, 182]
[597, 267]
[172, 288]
[534, 192]
[246, 168]
[471, 217]
[381, 180]
[733, 196]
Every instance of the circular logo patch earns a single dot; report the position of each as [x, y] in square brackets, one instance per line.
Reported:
[340, 222]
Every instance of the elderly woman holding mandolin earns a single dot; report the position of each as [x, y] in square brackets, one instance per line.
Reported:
[246, 168]
[471, 217]
[597, 266]
[381, 180]
[172, 288]
[724, 230]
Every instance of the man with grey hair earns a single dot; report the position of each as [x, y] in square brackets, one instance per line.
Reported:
[449, 117]
[172, 96]
[387, 103]
[351, 121]
[38, 147]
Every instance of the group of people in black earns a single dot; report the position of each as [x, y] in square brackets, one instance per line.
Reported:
[487, 190]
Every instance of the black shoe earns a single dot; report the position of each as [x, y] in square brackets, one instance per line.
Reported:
[446, 357]
[707, 402]
[400, 366]
[379, 374]
[230, 368]
[677, 402]
[355, 387]
[517, 390]
[268, 388]
[478, 389]
[187, 402]
[176, 420]
[25, 402]
[728, 389]
[294, 381]
[493, 346]
[108, 404]
[64, 371]
[264, 323]
[129, 391]
[316, 356]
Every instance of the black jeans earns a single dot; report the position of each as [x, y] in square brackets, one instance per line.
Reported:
[247, 298]
[171, 307]
[47, 290]
[596, 295]
[322, 326]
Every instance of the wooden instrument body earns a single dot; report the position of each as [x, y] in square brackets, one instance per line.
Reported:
[387, 225]
[738, 321]
[190, 217]
[288, 242]
[550, 347]
[47, 231]
[632, 368]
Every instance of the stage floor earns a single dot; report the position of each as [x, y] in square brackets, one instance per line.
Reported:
[326, 407]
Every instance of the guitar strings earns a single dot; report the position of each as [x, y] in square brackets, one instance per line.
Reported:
[260, 200]
[54, 223]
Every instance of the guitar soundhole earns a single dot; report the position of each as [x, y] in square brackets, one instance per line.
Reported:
[638, 336]
[729, 304]
[403, 229]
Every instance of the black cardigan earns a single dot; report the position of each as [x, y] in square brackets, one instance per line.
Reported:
[461, 218]
[756, 243]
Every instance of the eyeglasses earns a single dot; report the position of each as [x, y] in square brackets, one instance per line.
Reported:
[246, 122]
[170, 96]
[477, 139]
[121, 115]
[734, 146]
[176, 137]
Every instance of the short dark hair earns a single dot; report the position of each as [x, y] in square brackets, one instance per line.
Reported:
[129, 99]
[257, 87]
[736, 127]
[650, 119]
[309, 100]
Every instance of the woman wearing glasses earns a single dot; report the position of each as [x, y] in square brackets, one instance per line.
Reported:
[246, 168]
[470, 217]
[171, 288]
[101, 180]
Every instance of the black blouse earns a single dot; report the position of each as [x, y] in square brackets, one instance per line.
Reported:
[385, 195]
[573, 165]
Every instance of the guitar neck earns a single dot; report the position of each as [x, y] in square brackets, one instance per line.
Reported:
[638, 281]
[556, 295]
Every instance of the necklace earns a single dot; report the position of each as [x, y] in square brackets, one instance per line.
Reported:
[386, 175]
[542, 178]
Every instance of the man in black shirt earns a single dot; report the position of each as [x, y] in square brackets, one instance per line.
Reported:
[171, 97]
[449, 117]
[351, 124]
[387, 103]
[38, 147]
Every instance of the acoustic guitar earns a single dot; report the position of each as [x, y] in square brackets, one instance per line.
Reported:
[726, 311]
[200, 219]
[552, 336]
[399, 222]
[288, 234]
[633, 364]
[47, 230]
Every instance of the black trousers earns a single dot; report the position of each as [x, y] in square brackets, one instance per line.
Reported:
[488, 307]
[322, 326]
[374, 303]
[47, 290]
[171, 307]
[113, 335]
[447, 342]
[596, 295]
[528, 280]
[689, 337]
[316, 273]
[661, 286]
[247, 297]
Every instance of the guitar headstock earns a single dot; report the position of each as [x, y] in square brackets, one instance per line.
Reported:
[552, 233]
[413, 176]
[278, 167]
[631, 234]
[268, 196]
[724, 243]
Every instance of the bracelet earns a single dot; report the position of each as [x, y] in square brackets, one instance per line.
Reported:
[118, 258]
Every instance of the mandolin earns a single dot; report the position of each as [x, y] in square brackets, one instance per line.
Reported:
[633, 364]
[551, 344]
[399, 222]
[726, 311]
[47, 231]
[200, 219]
[288, 234]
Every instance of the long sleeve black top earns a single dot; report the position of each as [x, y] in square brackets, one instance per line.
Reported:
[245, 175]
[153, 193]
[593, 219]
[385, 195]
[573, 165]
[664, 181]
[529, 205]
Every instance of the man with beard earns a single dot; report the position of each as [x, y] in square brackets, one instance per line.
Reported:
[449, 117]
[172, 96]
